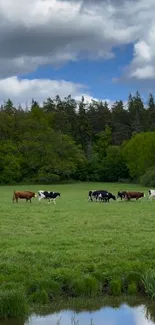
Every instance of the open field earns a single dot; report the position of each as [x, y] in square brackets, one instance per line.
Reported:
[74, 246]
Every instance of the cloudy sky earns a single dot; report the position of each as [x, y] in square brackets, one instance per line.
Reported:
[101, 49]
[107, 315]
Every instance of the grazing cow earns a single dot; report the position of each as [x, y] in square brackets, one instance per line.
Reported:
[134, 195]
[101, 195]
[121, 194]
[106, 196]
[95, 194]
[51, 196]
[23, 195]
[151, 194]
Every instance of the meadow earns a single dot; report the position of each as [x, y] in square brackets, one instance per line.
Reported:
[74, 248]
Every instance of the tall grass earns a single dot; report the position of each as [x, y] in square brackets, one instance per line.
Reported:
[12, 304]
[148, 280]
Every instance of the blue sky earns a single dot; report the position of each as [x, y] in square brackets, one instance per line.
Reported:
[96, 74]
[98, 49]
[124, 315]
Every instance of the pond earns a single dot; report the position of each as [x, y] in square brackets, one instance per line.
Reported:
[135, 313]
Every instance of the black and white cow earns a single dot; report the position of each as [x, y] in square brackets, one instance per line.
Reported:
[151, 194]
[101, 195]
[47, 195]
[121, 194]
[94, 194]
[106, 196]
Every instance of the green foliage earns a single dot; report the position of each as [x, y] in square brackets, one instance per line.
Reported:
[39, 297]
[116, 287]
[139, 153]
[114, 166]
[148, 179]
[149, 283]
[63, 140]
[132, 288]
[12, 304]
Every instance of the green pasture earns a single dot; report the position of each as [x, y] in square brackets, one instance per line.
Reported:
[72, 247]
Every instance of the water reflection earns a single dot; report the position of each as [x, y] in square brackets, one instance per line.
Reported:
[125, 314]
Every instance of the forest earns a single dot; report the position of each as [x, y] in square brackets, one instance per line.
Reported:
[64, 140]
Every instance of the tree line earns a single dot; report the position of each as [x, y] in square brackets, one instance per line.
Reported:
[64, 140]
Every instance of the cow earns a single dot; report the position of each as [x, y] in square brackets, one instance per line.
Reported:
[151, 194]
[101, 195]
[47, 195]
[106, 196]
[28, 195]
[134, 195]
[95, 194]
[121, 194]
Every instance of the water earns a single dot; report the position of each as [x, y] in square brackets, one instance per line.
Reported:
[122, 314]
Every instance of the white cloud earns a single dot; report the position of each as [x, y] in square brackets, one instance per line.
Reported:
[39, 32]
[21, 91]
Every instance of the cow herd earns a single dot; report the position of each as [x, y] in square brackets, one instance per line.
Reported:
[98, 195]
[105, 196]
[28, 195]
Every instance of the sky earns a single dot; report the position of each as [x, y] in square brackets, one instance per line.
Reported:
[105, 316]
[99, 49]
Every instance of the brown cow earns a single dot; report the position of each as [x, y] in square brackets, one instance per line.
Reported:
[23, 195]
[134, 195]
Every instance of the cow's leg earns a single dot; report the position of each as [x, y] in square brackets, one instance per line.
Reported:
[39, 198]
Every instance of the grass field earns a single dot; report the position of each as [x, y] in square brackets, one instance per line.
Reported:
[74, 246]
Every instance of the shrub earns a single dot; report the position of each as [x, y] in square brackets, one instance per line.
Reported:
[115, 287]
[40, 297]
[52, 288]
[132, 288]
[12, 304]
[148, 179]
[91, 286]
[149, 283]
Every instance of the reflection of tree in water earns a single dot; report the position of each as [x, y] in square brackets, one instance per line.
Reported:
[149, 311]
[17, 321]
[80, 305]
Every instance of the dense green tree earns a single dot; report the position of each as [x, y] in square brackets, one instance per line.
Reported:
[151, 113]
[115, 167]
[64, 139]
[139, 153]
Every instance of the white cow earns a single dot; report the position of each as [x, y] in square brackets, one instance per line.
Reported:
[151, 194]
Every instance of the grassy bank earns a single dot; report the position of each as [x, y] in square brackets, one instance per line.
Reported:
[76, 248]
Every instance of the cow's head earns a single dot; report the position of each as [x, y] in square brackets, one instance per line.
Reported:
[113, 197]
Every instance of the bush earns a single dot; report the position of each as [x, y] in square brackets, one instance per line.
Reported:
[148, 179]
[12, 304]
[47, 178]
[115, 287]
[40, 297]
[132, 288]
[51, 287]
[149, 283]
